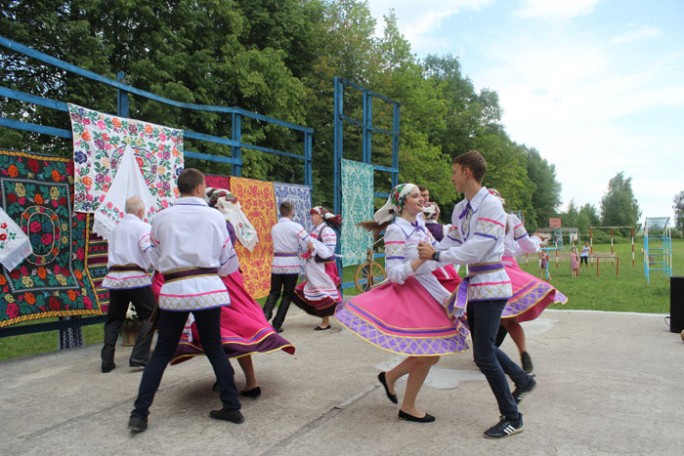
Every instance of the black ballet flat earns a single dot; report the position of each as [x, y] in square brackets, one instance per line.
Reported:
[253, 393]
[318, 328]
[424, 419]
[383, 382]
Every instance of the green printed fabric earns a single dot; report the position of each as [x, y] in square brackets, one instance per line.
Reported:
[357, 206]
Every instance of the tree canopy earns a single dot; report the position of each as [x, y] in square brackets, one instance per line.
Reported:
[278, 58]
[618, 205]
[679, 211]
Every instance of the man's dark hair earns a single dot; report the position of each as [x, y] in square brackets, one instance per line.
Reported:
[474, 161]
[286, 208]
[189, 179]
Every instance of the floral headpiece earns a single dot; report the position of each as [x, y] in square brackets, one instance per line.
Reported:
[395, 203]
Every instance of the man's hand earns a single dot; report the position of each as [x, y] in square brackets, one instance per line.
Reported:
[425, 251]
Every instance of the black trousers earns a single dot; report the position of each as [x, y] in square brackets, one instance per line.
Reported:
[170, 329]
[286, 283]
[143, 300]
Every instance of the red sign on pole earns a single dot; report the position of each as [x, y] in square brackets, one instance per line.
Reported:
[554, 222]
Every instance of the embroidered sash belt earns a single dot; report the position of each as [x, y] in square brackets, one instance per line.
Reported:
[456, 303]
[126, 267]
[184, 273]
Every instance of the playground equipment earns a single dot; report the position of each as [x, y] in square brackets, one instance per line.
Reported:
[612, 237]
[657, 246]
[557, 235]
[369, 273]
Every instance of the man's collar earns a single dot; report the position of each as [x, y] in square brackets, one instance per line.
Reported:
[478, 198]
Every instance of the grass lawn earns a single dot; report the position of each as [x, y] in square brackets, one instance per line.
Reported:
[627, 292]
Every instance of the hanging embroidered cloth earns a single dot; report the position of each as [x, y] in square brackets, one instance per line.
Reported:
[100, 141]
[216, 181]
[50, 282]
[96, 264]
[258, 204]
[299, 196]
[128, 182]
[357, 206]
[14, 244]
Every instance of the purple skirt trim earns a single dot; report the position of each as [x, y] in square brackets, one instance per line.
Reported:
[407, 346]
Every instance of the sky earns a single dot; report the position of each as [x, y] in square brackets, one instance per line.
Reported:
[596, 86]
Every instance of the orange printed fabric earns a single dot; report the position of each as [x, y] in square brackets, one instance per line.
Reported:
[257, 199]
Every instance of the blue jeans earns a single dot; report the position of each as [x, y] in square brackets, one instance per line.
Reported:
[484, 318]
[170, 329]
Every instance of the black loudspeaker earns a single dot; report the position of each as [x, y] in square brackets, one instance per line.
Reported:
[676, 304]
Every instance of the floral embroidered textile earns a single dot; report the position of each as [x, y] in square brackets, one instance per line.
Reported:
[216, 181]
[258, 204]
[127, 183]
[100, 141]
[96, 264]
[37, 194]
[15, 246]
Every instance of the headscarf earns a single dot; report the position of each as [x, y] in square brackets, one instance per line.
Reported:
[429, 210]
[228, 205]
[395, 203]
[496, 194]
[326, 215]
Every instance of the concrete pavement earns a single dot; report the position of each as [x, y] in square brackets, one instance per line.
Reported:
[609, 384]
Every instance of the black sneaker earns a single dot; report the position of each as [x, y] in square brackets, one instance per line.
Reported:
[234, 416]
[107, 366]
[520, 392]
[137, 423]
[505, 428]
[526, 362]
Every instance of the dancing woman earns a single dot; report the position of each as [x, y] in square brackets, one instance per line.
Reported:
[244, 328]
[531, 295]
[319, 293]
[405, 314]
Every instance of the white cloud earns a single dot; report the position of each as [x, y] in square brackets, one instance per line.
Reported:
[416, 19]
[556, 9]
[642, 33]
[571, 97]
[591, 108]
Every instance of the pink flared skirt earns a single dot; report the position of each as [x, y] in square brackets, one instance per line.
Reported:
[531, 295]
[244, 328]
[403, 319]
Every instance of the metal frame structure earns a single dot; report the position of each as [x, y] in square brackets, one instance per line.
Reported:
[657, 246]
[368, 130]
[612, 239]
[123, 92]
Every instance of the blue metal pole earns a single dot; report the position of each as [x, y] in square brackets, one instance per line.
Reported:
[236, 150]
[308, 160]
[367, 126]
[338, 144]
[122, 106]
[395, 145]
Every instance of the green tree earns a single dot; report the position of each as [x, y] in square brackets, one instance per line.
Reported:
[587, 217]
[679, 211]
[546, 192]
[618, 205]
[570, 218]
